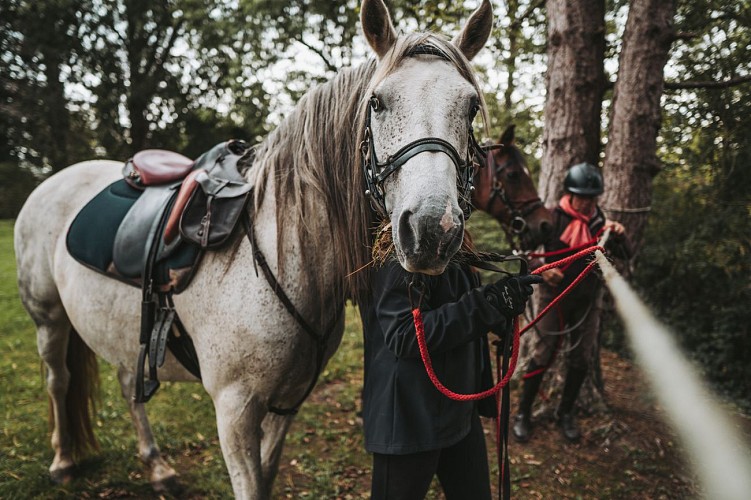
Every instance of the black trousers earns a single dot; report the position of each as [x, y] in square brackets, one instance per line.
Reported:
[462, 470]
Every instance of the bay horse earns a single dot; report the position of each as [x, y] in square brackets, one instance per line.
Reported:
[506, 192]
[411, 105]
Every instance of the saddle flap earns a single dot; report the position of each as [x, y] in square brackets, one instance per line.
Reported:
[153, 167]
[137, 230]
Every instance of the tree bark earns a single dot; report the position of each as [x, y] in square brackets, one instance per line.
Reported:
[514, 32]
[575, 86]
[572, 131]
[573, 106]
[630, 156]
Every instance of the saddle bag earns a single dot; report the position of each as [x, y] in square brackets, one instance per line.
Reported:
[213, 210]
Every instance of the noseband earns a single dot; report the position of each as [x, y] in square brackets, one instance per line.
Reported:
[376, 172]
[518, 210]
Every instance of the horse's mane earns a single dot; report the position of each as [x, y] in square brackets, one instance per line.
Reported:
[315, 153]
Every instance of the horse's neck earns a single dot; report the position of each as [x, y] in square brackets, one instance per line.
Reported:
[311, 222]
[302, 261]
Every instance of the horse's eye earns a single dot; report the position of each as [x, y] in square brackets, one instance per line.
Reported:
[473, 110]
[513, 175]
[376, 104]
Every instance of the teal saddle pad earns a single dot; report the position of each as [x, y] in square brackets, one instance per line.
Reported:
[91, 238]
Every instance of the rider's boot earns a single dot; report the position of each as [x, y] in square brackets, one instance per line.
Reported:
[522, 428]
[565, 413]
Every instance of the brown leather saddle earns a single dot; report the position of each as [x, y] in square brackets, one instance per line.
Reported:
[183, 202]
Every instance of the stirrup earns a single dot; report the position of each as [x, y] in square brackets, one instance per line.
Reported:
[145, 389]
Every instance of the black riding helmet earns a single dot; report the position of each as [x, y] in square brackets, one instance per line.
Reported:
[584, 179]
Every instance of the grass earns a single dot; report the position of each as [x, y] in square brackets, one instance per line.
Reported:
[185, 431]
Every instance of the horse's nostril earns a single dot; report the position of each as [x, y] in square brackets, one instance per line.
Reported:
[545, 228]
[406, 233]
[450, 242]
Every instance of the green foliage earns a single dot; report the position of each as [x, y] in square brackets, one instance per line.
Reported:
[695, 264]
[694, 270]
[15, 186]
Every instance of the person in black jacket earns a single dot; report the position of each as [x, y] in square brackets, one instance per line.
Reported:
[576, 221]
[413, 431]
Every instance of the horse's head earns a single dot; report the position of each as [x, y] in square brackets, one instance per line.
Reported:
[505, 191]
[418, 142]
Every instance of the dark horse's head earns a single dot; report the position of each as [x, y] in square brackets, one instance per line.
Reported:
[505, 190]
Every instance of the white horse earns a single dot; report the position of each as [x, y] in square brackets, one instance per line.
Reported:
[312, 221]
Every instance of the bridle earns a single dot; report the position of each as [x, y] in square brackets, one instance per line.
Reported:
[376, 172]
[517, 209]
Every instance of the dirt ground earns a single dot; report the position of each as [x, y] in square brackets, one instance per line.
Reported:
[625, 452]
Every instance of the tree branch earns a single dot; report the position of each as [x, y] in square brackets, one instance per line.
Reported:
[686, 35]
[329, 65]
[161, 58]
[707, 84]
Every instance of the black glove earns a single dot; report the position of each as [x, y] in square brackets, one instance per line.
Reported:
[510, 295]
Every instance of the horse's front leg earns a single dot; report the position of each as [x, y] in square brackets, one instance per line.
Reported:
[275, 428]
[239, 414]
[163, 477]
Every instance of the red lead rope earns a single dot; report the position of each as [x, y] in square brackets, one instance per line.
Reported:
[504, 487]
[425, 355]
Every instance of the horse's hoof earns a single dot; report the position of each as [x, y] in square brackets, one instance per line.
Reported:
[63, 476]
[168, 484]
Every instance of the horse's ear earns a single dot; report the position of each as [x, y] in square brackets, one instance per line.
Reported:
[476, 32]
[377, 26]
[507, 138]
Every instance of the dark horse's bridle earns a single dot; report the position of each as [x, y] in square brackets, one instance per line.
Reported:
[517, 210]
[376, 172]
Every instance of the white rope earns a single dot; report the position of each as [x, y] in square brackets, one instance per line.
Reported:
[718, 453]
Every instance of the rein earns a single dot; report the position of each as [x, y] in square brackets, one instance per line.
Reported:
[425, 355]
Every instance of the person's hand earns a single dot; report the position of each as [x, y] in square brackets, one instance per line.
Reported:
[553, 276]
[510, 295]
[615, 227]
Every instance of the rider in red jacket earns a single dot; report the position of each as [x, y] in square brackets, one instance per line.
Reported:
[577, 220]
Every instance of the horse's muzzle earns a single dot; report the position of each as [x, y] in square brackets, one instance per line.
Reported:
[425, 243]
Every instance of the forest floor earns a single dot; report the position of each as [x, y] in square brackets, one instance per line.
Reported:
[627, 451]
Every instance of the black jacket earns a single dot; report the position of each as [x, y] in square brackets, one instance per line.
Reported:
[402, 411]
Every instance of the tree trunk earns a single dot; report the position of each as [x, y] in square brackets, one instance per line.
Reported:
[630, 156]
[57, 115]
[573, 105]
[514, 32]
[575, 86]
